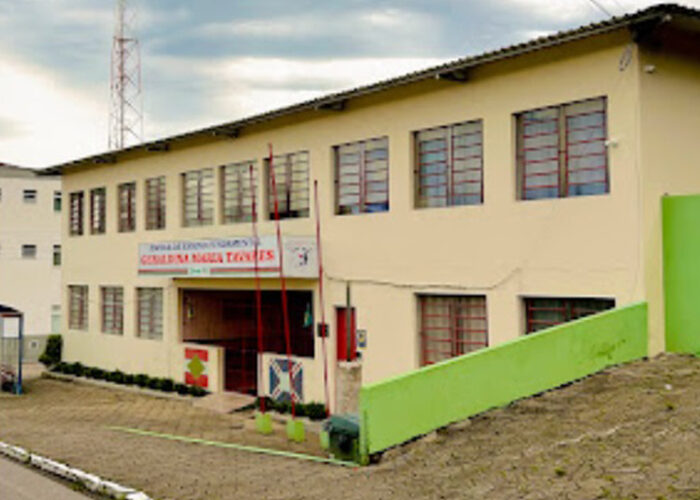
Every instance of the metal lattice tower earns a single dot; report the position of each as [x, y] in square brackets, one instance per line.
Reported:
[125, 115]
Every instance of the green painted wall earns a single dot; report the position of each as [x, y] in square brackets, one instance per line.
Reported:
[398, 409]
[681, 230]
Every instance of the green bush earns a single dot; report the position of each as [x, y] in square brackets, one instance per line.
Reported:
[316, 411]
[182, 389]
[142, 379]
[116, 376]
[154, 384]
[53, 352]
[129, 379]
[97, 373]
[197, 391]
[77, 369]
[167, 385]
[59, 367]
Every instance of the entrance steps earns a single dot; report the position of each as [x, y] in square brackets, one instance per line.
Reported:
[225, 402]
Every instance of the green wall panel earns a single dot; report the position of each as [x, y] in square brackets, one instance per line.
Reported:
[398, 409]
[681, 230]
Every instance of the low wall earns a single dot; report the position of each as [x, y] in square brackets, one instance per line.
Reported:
[398, 409]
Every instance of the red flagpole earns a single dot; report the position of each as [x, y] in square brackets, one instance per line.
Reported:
[320, 299]
[258, 293]
[283, 281]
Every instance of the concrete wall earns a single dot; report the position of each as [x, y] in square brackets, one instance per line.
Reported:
[32, 286]
[504, 249]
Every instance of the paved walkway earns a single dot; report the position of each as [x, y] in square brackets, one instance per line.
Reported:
[21, 483]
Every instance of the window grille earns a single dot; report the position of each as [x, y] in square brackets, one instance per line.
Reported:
[562, 151]
[450, 165]
[362, 176]
[29, 251]
[127, 206]
[198, 192]
[78, 307]
[97, 210]
[150, 313]
[237, 193]
[76, 214]
[451, 326]
[292, 181]
[112, 309]
[155, 203]
[547, 312]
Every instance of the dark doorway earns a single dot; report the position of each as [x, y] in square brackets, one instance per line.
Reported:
[227, 318]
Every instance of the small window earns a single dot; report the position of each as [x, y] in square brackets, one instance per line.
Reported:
[451, 326]
[291, 176]
[449, 165]
[238, 190]
[29, 251]
[562, 151]
[112, 309]
[98, 203]
[198, 197]
[150, 313]
[57, 255]
[78, 307]
[543, 313]
[29, 195]
[76, 214]
[127, 207]
[155, 203]
[55, 318]
[362, 177]
[57, 201]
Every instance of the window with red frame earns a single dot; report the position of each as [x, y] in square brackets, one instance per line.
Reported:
[127, 207]
[451, 326]
[112, 309]
[76, 214]
[449, 165]
[543, 313]
[362, 177]
[562, 150]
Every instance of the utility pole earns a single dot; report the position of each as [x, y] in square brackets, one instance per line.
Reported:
[126, 114]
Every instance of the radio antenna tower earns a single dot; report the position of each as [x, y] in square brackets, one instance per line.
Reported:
[125, 114]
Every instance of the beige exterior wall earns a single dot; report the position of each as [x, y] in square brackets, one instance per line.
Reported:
[505, 249]
[669, 124]
[32, 286]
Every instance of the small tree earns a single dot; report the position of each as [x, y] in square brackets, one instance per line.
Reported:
[53, 352]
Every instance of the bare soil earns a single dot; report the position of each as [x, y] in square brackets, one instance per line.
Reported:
[629, 432]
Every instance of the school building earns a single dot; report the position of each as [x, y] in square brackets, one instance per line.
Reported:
[461, 206]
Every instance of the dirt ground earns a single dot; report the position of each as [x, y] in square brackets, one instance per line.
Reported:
[629, 432]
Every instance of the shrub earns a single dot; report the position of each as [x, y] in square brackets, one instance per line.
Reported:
[77, 369]
[129, 379]
[181, 389]
[316, 411]
[116, 376]
[197, 391]
[59, 367]
[167, 385]
[142, 379]
[154, 384]
[97, 373]
[53, 351]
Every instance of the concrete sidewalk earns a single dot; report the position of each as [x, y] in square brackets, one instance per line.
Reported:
[21, 483]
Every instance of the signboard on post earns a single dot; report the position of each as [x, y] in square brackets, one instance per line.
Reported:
[226, 257]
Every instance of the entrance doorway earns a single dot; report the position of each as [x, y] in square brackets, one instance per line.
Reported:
[228, 318]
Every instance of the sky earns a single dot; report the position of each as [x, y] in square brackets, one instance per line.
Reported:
[213, 61]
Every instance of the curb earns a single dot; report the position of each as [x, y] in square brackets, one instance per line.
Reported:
[89, 481]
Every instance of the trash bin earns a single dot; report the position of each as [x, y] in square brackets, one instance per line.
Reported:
[344, 436]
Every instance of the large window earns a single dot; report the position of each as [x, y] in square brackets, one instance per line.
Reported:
[362, 176]
[155, 203]
[126, 194]
[451, 326]
[150, 313]
[97, 210]
[562, 151]
[292, 181]
[78, 307]
[198, 197]
[112, 309]
[238, 188]
[449, 165]
[76, 214]
[543, 313]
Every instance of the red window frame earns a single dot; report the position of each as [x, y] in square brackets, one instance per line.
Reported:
[567, 309]
[361, 179]
[451, 325]
[558, 162]
[76, 214]
[126, 193]
[454, 177]
[155, 203]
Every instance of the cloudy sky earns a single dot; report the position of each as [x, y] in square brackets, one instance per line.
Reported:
[211, 61]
